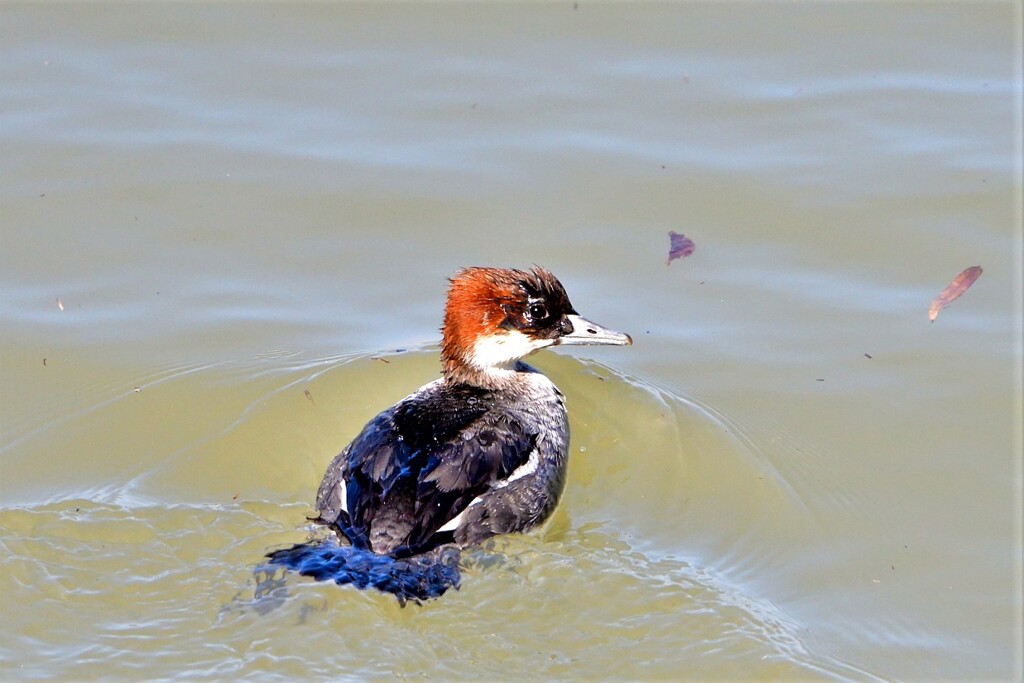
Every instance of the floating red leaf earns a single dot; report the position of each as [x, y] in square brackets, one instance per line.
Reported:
[958, 286]
[680, 246]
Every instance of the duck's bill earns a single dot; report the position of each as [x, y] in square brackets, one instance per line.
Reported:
[587, 332]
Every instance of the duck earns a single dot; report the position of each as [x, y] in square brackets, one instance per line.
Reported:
[480, 452]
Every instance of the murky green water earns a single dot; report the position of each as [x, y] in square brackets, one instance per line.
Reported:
[224, 238]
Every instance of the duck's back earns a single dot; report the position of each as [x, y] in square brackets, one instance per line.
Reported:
[450, 462]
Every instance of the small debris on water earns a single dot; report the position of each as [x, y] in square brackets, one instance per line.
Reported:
[60, 304]
[953, 290]
[680, 246]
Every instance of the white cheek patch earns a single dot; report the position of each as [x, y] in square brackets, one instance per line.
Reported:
[501, 349]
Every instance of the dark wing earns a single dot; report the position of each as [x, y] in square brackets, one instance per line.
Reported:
[410, 470]
[461, 469]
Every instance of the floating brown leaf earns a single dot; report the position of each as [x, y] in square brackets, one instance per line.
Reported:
[680, 246]
[958, 286]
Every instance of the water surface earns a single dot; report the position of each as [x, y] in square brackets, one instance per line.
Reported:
[224, 237]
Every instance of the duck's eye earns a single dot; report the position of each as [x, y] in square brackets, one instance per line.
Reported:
[536, 311]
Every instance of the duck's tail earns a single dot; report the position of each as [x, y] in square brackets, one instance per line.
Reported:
[417, 578]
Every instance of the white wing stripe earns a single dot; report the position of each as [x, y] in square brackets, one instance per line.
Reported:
[454, 522]
[527, 468]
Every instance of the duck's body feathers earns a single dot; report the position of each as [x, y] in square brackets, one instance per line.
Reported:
[418, 465]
